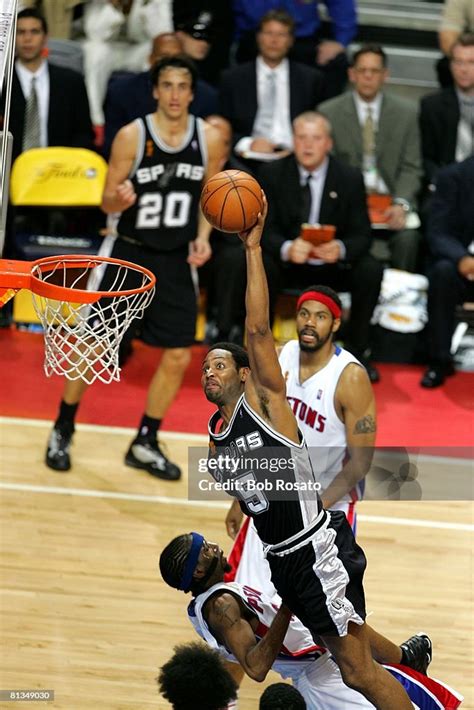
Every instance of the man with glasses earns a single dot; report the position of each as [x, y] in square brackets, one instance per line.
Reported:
[378, 133]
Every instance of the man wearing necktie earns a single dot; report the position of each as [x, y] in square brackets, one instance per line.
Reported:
[49, 105]
[378, 133]
[447, 116]
[261, 98]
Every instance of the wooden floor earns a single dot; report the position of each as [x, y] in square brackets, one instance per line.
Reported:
[83, 608]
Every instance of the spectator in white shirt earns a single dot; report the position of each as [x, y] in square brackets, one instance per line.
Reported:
[260, 98]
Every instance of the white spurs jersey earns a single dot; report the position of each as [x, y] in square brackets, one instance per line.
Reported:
[313, 405]
[298, 651]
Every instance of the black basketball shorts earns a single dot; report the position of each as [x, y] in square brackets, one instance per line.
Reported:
[321, 582]
[170, 319]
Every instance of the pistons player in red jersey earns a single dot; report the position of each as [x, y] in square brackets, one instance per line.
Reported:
[246, 627]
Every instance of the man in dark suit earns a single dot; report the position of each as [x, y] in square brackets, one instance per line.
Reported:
[131, 96]
[451, 276]
[447, 117]
[61, 107]
[313, 187]
[262, 97]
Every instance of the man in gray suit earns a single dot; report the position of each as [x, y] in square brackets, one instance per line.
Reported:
[378, 133]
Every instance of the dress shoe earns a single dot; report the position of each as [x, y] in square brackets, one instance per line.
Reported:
[436, 374]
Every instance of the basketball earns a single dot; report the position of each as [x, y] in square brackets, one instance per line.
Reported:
[231, 201]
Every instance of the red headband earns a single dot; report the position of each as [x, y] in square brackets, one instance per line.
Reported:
[322, 298]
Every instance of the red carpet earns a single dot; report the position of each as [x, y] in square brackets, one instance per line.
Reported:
[408, 415]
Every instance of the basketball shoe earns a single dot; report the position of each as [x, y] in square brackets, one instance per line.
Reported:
[57, 454]
[147, 454]
[417, 652]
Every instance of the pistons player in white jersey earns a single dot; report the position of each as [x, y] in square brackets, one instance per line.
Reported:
[333, 402]
[248, 628]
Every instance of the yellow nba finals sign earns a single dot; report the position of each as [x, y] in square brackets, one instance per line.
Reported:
[64, 177]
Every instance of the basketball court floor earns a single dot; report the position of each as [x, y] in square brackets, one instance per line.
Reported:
[85, 613]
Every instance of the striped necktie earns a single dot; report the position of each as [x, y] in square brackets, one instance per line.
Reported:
[465, 136]
[31, 135]
[368, 134]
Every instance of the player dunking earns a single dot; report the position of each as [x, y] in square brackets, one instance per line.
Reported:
[155, 176]
[333, 401]
[332, 398]
[317, 567]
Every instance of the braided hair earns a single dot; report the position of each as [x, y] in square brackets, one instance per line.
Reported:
[173, 562]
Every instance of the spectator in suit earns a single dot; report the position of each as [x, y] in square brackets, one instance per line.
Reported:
[131, 96]
[276, 90]
[118, 36]
[447, 117]
[49, 104]
[378, 133]
[311, 45]
[451, 276]
[48, 107]
[310, 186]
[457, 18]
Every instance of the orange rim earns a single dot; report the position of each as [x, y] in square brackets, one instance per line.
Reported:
[21, 274]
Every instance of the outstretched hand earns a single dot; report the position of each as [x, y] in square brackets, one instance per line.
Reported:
[252, 237]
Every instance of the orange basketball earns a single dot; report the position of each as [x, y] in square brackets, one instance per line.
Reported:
[231, 201]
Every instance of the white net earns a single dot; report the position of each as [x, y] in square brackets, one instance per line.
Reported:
[82, 339]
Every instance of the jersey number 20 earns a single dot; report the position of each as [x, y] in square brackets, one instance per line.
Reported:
[155, 211]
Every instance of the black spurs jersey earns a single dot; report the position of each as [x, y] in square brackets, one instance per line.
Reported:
[270, 475]
[168, 183]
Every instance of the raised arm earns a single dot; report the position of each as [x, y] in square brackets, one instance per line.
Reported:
[228, 624]
[355, 403]
[265, 389]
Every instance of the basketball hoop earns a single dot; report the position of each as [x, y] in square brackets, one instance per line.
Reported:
[82, 327]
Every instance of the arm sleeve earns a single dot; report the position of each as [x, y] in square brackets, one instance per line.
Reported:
[344, 20]
[409, 178]
[444, 227]
[357, 232]
[83, 135]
